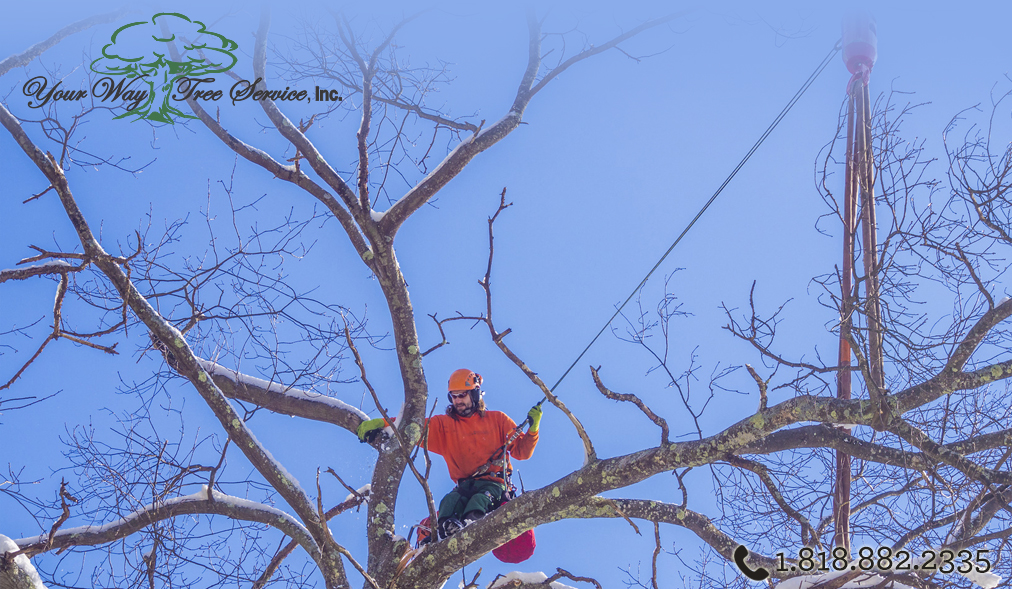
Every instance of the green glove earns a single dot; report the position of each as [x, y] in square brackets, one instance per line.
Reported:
[535, 416]
[369, 429]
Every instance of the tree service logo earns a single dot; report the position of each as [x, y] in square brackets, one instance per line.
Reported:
[159, 62]
[137, 52]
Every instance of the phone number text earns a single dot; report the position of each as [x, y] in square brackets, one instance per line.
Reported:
[885, 559]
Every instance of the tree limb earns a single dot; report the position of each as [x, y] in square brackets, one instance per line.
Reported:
[289, 401]
[196, 504]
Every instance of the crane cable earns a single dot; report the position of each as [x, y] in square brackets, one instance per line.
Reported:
[734, 172]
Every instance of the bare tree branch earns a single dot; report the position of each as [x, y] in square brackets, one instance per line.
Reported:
[196, 504]
[659, 421]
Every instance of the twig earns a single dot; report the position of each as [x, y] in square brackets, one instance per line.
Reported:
[37, 353]
[631, 398]
[64, 496]
[214, 471]
[473, 584]
[973, 274]
[34, 400]
[36, 196]
[442, 335]
[657, 552]
[762, 384]
[497, 338]
[26, 273]
[681, 486]
[624, 516]
[319, 497]
[107, 349]
[344, 484]
[560, 573]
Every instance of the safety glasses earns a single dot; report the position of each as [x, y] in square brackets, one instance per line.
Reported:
[460, 395]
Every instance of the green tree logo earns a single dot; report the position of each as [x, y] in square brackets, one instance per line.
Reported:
[139, 50]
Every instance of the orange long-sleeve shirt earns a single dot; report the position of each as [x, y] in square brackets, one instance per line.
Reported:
[467, 443]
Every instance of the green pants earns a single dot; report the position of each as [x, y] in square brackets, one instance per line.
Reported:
[471, 495]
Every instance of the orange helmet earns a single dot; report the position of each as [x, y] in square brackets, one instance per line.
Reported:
[470, 381]
[464, 380]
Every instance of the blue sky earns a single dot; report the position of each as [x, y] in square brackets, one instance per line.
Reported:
[614, 160]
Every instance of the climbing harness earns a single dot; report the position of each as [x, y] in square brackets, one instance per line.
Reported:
[502, 455]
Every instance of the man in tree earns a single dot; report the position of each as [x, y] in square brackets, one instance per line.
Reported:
[476, 444]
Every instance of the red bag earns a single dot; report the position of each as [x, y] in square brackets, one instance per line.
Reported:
[518, 549]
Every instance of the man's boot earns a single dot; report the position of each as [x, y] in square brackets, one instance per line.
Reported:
[449, 527]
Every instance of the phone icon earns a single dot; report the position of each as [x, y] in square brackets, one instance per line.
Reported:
[740, 554]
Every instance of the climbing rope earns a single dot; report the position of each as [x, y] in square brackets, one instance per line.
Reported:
[797, 96]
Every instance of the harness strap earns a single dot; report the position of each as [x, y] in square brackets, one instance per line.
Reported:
[506, 468]
[500, 453]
